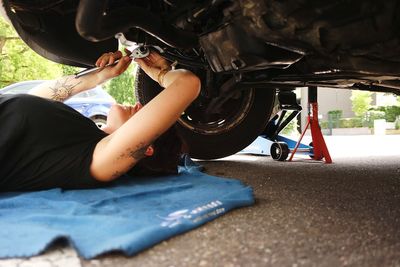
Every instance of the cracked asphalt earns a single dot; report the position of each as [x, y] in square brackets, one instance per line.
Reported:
[306, 214]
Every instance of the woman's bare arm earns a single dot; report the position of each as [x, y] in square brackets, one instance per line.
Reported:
[68, 86]
[118, 152]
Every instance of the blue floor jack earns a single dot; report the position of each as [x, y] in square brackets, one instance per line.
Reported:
[277, 146]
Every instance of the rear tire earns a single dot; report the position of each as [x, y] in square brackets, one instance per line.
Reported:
[243, 118]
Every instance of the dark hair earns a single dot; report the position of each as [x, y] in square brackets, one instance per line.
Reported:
[165, 159]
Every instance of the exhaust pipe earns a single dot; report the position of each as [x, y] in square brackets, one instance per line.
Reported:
[95, 24]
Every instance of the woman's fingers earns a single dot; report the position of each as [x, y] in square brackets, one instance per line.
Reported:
[137, 106]
[143, 64]
[113, 57]
[151, 57]
[158, 60]
[122, 65]
[151, 71]
[108, 58]
[113, 71]
[102, 61]
[99, 60]
[153, 65]
[152, 60]
[127, 51]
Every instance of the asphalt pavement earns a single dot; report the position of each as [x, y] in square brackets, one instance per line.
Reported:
[306, 213]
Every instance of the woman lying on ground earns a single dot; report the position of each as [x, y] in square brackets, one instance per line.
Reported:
[46, 144]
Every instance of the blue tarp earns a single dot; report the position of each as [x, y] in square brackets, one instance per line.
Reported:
[129, 216]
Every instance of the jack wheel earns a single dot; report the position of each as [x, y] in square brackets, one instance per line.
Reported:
[279, 151]
[311, 150]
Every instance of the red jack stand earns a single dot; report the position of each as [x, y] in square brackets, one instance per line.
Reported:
[320, 149]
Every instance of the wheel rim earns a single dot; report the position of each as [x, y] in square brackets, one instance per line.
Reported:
[276, 151]
[231, 114]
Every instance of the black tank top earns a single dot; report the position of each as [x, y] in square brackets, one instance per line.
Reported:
[45, 144]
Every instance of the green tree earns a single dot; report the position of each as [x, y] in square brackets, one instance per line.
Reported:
[18, 62]
[68, 70]
[361, 102]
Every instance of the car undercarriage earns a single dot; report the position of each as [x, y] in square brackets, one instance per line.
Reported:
[244, 51]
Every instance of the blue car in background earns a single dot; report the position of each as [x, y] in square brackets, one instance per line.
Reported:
[94, 103]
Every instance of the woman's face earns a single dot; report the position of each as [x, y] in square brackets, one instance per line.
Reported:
[118, 115]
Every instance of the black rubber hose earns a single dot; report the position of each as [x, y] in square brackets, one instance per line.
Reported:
[94, 24]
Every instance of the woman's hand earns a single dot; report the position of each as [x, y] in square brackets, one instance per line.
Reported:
[154, 66]
[112, 71]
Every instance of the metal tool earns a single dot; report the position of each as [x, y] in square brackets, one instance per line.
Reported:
[138, 52]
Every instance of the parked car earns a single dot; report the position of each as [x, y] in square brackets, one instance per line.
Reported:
[94, 103]
[244, 51]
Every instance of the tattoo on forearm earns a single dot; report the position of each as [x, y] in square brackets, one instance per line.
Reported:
[63, 89]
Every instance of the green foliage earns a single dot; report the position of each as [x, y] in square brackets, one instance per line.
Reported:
[122, 87]
[69, 70]
[361, 102]
[351, 123]
[324, 124]
[337, 113]
[372, 115]
[334, 117]
[343, 123]
[391, 112]
[291, 128]
[18, 62]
